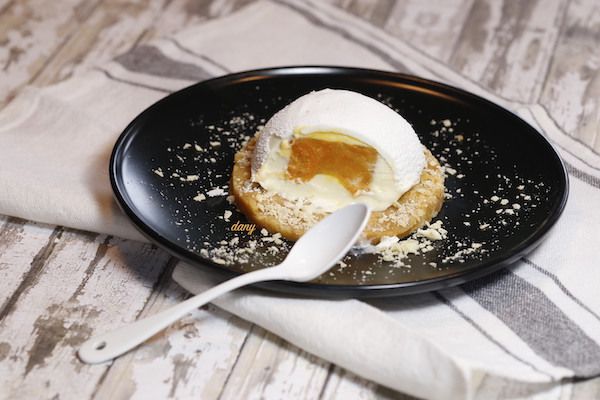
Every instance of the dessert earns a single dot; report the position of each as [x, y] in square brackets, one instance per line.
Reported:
[331, 148]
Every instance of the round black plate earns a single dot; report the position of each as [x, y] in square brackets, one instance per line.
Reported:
[183, 146]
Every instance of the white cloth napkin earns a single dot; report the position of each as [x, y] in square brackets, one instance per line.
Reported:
[530, 325]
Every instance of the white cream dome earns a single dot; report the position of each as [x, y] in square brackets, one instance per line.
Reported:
[346, 113]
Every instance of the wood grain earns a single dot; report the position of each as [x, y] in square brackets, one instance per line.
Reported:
[22, 247]
[112, 28]
[191, 359]
[271, 368]
[433, 27]
[30, 34]
[572, 89]
[506, 45]
[342, 384]
[83, 282]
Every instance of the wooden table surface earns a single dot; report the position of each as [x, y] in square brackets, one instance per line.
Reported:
[58, 284]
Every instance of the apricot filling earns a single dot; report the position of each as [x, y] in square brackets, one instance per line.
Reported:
[351, 164]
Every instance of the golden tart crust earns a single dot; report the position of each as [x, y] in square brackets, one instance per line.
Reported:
[411, 211]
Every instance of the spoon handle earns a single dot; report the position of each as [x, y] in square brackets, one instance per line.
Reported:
[112, 344]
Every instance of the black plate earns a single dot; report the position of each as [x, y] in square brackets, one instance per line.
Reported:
[493, 151]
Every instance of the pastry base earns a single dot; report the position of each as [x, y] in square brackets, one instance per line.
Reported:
[411, 211]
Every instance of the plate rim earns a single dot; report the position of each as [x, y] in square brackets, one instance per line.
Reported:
[328, 290]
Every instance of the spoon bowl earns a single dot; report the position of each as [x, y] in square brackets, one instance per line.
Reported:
[313, 254]
[325, 243]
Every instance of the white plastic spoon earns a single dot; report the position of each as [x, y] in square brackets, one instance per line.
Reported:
[313, 254]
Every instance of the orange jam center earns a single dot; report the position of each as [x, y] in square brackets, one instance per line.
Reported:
[352, 165]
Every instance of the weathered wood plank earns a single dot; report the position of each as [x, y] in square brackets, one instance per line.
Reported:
[180, 14]
[22, 244]
[88, 284]
[342, 384]
[432, 27]
[191, 359]
[31, 31]
[113, 28]
[376, 12]
[503, 45]
[506, 45]
[572, 89]
[270, 368]
[44, 42]
[116, 26]
[589, 389]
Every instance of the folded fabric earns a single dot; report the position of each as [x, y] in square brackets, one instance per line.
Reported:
[530, 325]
